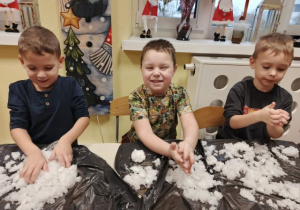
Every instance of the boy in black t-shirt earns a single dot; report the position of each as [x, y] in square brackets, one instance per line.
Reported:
[259, 109]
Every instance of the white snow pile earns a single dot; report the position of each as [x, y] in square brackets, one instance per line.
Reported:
[284, 153]
[47, 187]
[138, 156]
[257, 169]
[197, 184]
[141, 176]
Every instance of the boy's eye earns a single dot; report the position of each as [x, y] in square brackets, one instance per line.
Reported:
[48, 67]
[266, 67]
[281, 69]
[163, 67]
[32, 68]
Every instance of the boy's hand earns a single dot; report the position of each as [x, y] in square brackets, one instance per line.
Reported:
[187, 153]
[63, 153]
[285, 116]
[274, 117]
[32, 166]
[174, 153]
[269, 115]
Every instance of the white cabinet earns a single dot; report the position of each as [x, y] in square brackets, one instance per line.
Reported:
[214, 76]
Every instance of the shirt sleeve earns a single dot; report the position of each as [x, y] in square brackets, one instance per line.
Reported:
[79, 104]
[287, 103]
[138, 106]
[19, 115]
[183, 104]
[234, 102]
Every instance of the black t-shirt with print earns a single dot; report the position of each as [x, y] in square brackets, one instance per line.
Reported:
[244, 98]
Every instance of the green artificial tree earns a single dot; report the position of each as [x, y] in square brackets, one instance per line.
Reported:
[77, 68]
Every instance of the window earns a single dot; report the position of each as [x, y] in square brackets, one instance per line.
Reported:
[169, 17]
[294, 23]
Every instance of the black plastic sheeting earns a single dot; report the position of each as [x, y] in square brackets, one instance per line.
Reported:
[163, 196]
[102, 188]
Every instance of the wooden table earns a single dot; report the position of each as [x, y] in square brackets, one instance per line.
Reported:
[107, 151]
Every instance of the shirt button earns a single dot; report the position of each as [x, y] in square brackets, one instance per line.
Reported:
[46, 95]
[47, 103]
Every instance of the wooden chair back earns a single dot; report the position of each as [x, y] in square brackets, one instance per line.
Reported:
[209, 116]
[119, 107]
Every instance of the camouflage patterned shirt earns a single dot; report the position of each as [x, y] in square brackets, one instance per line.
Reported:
[160, 110]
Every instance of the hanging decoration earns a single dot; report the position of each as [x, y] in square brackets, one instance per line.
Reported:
[8, 7]
[223, 15]
[86, 28]
[149, 15]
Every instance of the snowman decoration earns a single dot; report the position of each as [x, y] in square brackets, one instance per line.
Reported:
[86, 28]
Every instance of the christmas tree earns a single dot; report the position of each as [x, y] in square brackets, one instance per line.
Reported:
[77, 68]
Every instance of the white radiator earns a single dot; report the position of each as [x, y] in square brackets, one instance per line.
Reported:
[212, 78]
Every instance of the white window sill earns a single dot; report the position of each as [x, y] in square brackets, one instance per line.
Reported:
[198, 46]
[9, 38]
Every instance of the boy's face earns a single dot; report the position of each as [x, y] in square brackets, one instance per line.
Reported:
[269, 69]
[42, 70]
[157, 70]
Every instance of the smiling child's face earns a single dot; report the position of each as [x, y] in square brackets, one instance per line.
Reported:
[157, 70]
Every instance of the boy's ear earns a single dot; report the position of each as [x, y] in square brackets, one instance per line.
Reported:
[252, 62]
[175, 68]
[21, 60]
[61, 61]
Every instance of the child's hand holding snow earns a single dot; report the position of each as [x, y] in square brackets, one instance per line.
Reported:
[183, 155]
[187, 153]
[33, 164]
[173, 150]
[63, 153]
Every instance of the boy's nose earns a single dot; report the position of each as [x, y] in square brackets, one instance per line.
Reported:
[272, 72]
[41, 74]
[156, 71]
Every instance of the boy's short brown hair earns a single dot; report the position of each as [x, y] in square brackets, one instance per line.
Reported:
[277, 43]
[159, 45]
[39, 40]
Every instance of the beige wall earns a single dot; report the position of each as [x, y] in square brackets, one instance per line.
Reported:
[126, 74]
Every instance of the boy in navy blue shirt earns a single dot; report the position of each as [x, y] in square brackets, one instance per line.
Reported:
[46, 107]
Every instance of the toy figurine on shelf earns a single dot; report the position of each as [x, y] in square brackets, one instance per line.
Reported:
[8, 7]
[149, 13]
[222, 16]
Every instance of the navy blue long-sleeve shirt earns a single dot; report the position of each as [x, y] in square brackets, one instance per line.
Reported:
[46, 115]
